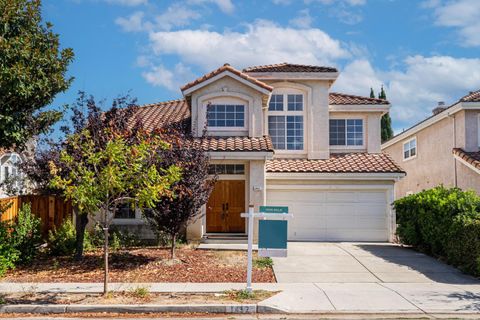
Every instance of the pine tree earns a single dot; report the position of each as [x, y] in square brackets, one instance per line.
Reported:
[386, 122]
[372, 94]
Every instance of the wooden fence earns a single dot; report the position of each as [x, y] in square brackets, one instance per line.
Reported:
[51, 210]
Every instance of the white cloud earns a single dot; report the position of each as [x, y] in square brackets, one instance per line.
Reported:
[225, 6]
[133, 23]
[175, 16]
[130, 3]
[414, 89]
[170, 79]
[303, 20]
[262, 42]
[461, 14]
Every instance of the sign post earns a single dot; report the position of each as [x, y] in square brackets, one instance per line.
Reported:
[272, 237]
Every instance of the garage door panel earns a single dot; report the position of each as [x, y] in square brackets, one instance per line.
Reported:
[326, 215]
[340, 197]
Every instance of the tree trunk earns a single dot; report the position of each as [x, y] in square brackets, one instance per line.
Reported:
[172, 249]
[80, 225]
[105, 258]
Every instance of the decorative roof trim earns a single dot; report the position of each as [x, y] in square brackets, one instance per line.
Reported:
[225, 70]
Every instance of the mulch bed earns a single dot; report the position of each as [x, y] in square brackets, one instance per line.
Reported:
[143, 265]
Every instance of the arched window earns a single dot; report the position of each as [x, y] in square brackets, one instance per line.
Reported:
[9, 167]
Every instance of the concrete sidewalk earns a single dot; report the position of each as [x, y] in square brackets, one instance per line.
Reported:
[423, 298]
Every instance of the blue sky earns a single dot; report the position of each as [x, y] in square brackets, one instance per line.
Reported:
[421, 51]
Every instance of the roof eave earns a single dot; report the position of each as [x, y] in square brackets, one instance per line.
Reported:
[383, 108]
[336, 175]
[190, 90]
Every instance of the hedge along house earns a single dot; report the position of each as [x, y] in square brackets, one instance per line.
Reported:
[278, 136]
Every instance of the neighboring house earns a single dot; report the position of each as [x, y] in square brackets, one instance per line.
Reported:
[9, 172]
[11, 179]
[442, 149]
[278, 136]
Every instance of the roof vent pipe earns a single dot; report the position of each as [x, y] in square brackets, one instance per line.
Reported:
[439, 108]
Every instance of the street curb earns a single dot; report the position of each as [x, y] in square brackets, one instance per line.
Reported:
[124, 308]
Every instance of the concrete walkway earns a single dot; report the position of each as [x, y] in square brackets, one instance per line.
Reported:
[423, 298]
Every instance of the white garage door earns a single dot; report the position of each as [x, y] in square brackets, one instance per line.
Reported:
[334, 215]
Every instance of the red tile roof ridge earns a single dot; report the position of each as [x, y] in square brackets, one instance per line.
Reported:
[226, 67]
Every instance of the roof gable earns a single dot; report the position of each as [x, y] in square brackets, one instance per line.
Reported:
[225, 70]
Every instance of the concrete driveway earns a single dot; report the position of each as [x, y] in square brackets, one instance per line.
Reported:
[319, 262]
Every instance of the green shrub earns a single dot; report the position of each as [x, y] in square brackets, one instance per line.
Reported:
[261, 263]
[26, 235]
[8, 254]
[62, 240]
[116, 240]
[443, 222]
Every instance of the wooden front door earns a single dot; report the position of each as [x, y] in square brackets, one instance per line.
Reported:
[225, 205]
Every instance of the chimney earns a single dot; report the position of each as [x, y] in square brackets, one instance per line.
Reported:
[439, 108]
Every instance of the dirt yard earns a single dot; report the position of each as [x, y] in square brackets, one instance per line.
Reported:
[138, 296]
[143, 265]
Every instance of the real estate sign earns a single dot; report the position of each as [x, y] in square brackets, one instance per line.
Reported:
[272, 232]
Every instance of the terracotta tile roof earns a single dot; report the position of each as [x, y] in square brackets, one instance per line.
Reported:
[338, 163]
[226, 67]
[237, 144]
[162, 114]
[471, 157]
[342, 98]
[289, 67]
[471, 97]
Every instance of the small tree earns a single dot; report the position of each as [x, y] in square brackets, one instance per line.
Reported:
[87, 114]
[171, 214]
[122, 171]
[386, 122]
[33, 70]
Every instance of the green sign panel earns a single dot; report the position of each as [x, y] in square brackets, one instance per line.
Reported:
[272, 234]
[273, 209]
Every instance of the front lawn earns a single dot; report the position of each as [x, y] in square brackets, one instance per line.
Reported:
[143, 265]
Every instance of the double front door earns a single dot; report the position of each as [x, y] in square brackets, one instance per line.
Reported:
[225, 205]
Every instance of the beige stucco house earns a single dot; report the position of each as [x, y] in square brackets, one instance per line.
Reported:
[442, 149]
[277, 135]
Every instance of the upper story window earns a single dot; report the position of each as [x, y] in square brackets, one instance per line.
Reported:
[346, 132]
[226, 115]
[9, 166]
[286, 121]
[410, 149]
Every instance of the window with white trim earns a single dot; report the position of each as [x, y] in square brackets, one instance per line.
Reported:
[410, 149]
[9, 167]
[346, 132]
[286, 121]
[226, 115]
[226, 169]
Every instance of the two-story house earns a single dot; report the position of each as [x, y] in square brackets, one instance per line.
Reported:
[442, 149]
[278, 136]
